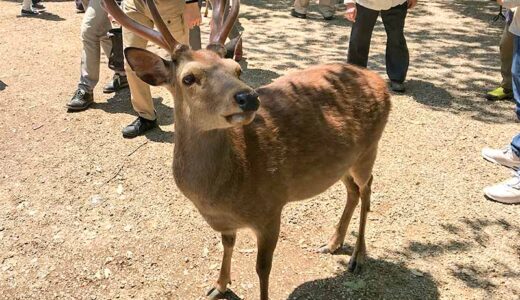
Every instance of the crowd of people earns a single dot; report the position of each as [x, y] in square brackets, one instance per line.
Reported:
[183, 18]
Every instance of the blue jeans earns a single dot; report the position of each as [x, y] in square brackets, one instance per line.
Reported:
[515, 145]
[515, 72]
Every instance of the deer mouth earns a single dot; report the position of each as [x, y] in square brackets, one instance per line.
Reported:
[242, 118]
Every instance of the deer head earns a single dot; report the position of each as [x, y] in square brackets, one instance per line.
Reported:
[206, 84]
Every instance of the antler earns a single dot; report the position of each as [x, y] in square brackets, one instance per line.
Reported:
[163, 38]
[220, 28]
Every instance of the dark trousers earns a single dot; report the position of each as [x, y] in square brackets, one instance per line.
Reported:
[397, 57]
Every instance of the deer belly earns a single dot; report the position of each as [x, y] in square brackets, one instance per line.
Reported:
[311, 184]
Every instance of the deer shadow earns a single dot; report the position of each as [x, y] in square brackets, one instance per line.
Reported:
[379, 279]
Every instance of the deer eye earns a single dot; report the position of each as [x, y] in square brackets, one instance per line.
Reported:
[189, 79]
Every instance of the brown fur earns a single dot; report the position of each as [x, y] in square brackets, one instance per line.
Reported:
[313, 128]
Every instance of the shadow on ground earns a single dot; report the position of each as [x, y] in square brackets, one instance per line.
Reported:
[460, 239]
[379, 279]
[2, 85]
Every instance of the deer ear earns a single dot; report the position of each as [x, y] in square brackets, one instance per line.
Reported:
[149, 67]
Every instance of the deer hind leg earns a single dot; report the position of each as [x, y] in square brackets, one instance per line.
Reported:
[362, 175]
[338, 238]
[267, 238]
[224, 278]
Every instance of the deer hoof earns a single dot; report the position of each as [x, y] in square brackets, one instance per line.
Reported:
[354, 266]
[327, 249]
[214, 294]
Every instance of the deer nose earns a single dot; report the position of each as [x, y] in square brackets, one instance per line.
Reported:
[247, 101]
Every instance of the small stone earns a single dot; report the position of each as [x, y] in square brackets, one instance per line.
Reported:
[108, 260]
[205, 252]
[129, 254]
[96, 200]
[107, 272]
[214, 267]
[120, 189]
[128, 228]
[417, 273]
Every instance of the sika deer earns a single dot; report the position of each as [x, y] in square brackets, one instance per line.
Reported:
[241, 155]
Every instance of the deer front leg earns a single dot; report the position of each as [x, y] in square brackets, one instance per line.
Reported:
[224, 278]
[266, 239]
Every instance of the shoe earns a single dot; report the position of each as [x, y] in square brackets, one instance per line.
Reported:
[505, 192]
[38, 5]
[29, 13]
[138, 127]
[298, 15]
[118, 83]
[80, 101]
[397, 87]
[499, 94]
[505, 157]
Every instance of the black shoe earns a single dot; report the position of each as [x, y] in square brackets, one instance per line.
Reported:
[29, 13]
[397, 87]
[118, 83]
[80, 101]
[38, 6]
[298, 15]
[138, 127]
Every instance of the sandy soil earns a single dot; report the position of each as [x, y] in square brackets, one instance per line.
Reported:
[86, 214]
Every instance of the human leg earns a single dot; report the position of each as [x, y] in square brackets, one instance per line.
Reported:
[360, 36]
[397, 56]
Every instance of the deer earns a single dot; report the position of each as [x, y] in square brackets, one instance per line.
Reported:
[241, 154]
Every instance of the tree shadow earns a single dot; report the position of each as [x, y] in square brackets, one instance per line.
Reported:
[473, 275]
[160, 136]
[2, 85]
[379, 279]
[256, 77]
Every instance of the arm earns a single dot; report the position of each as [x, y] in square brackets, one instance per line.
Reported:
[192, 13]
[351, 12]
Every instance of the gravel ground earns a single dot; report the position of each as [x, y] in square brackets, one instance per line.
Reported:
[86, 214]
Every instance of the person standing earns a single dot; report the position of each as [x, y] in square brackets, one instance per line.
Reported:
[27, 9]
[179, 16]
[94, 34]
[325, 7]
[514, 28]
[364, 14]
[505, 90]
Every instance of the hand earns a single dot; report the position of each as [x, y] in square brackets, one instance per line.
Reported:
[500, 2]
[413, 3]
[351, 12]
[192, 15]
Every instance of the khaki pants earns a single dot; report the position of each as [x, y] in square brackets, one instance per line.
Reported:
[506, 58]
[325, 7]
[171, 12]
[94, 29]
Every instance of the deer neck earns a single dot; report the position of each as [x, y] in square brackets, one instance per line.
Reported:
[204, 161]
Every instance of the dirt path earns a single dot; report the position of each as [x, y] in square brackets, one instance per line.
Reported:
[82, 216]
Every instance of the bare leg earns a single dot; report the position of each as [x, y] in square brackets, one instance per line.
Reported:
[341, 229]
[228, 241]
[266, 239]
[359, 255]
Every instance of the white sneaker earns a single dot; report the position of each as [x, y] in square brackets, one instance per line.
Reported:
[505, 192]
[505, 157]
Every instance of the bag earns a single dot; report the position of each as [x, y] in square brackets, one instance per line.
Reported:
[116, 60]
